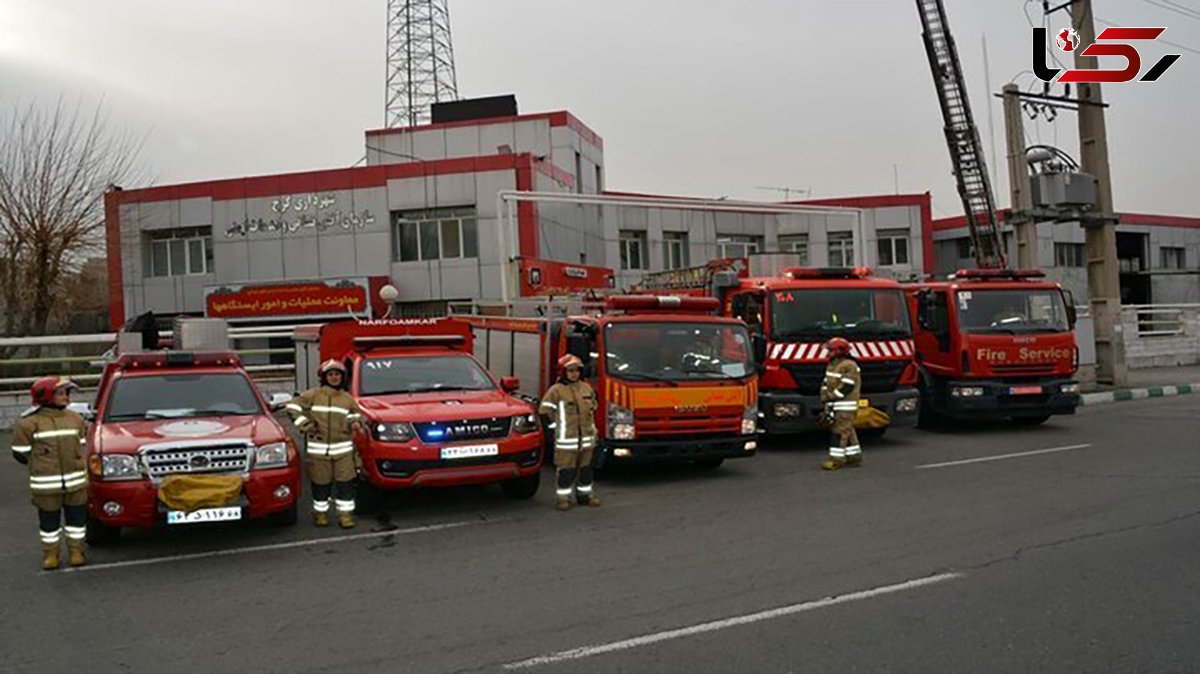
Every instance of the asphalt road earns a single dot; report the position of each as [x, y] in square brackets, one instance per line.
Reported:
[927, 559]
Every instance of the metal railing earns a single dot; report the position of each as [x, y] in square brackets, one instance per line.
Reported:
[1162, 320]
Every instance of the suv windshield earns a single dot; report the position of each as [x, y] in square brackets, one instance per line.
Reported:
[172, 396]
[817, 314]
[416, 374]
[677, 351]
[1011, 311]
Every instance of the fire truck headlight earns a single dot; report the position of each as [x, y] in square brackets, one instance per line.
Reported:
[620, 422]
[966, 391]
[906, 405]
[749, 420]
[394, 432]
[525, 423]
[1073, 387]
[273, 455]
[120, 467]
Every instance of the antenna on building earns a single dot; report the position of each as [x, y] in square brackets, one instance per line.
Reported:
[420, 61]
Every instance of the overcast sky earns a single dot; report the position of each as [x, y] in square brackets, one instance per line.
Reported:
[700, 97]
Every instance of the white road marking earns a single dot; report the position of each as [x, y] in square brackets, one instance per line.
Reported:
[1001, 457]
[626, 644]
[274, 546]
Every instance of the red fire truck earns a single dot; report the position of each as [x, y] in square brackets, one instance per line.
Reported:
[674, 382]
[161, 414]
[790, 317]
[995, 344]
[436, 416]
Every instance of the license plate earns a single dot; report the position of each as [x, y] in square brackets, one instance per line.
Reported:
[470, 451]
[1025, 390]
[204, 515]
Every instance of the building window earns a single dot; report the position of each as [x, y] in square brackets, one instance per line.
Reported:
[633, 249]
[439, 234]
[734, 245]
[1068, 255]
[578, 173]
[966, 251]
[893, 247]
[797, 244]
[841, 249]
[599, 180]
[180, 252]
[1173, 257]
[675, 250]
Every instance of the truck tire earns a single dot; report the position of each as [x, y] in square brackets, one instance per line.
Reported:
[285, 518]
[522, 488]
[1031, 421]
[710, 464]
[99, 534]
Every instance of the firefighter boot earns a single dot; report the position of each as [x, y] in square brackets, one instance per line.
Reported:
[320, 519]
[593, 501]
[50, 559]
[563, 503]
[854, 460]
[75, 553]
[346, 520]
[832, 464]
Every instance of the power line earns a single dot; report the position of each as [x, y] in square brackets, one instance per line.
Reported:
[1173, 44]
[1178, 10]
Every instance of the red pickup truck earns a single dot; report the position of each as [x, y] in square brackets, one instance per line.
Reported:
[166, 413]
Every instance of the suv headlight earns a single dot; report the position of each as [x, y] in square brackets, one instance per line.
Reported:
[392, 432]
[749, 420]
[1070, 388]
[525, 423]
[620, 422]
[120, 467]
[273, 455]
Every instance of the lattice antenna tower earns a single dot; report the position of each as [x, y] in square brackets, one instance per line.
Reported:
[420, 60]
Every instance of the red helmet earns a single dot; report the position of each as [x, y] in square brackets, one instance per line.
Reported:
[329, 366]
[43, 389]
[568, 361]
[838, 347]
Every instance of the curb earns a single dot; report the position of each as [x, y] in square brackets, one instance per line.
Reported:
[1123, 395]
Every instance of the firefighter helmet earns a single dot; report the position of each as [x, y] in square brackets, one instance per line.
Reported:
[329, 366]
[838, 347]
[567, 362]
[43, 389]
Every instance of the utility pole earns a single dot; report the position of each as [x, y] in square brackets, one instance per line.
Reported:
[1024, 225]
[1100, 249]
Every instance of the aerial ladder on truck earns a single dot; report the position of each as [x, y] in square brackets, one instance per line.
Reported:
[962, 137]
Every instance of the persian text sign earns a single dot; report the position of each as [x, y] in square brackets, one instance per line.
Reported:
[293, 213]
[335, 298]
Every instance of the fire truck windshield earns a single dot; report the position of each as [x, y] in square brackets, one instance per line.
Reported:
[1011, 311]
[820, 313]
[176, 396]
[677, 351]
[421, 374]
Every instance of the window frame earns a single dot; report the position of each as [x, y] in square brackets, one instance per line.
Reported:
[845, 244]
[1074, 255]
[748, 243]
[797, 244]
[678, 242]
[1179, 253]
[625, 238]
[164, 242]
[420, 223]
[889, 238]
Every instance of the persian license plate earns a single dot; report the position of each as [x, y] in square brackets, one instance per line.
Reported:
[1025, 390]
[470, 451]
[204, 515]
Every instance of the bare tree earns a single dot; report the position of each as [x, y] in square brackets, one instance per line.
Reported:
[55, 166]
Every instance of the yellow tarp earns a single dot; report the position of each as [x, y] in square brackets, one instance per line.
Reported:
[190, 493]
[869, 417]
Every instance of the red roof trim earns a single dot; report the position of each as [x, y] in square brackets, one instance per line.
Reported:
[557, 118]
[879, 201]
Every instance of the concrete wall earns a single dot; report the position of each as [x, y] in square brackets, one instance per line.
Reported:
[1161, 350]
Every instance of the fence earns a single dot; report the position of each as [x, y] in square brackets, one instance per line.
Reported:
[1161, 335]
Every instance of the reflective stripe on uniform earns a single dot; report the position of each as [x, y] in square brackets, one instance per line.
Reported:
[562, 421]
[848, 380]
[548, 404]
[853, 451]
[345, 506]
[76, 533]
[325, 408]
[584, 488]
[564, 492]
[321, 506]
[22, 449]
[294, 407]
[838, 393]
[837, 452]
[830, 374]
[51, 434]
[300, 420]
[330, 450]
[50, 537]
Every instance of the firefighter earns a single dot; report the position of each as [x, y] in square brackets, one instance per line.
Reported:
[328, 416]
[50, 439]
[840, 392]
[570, 406]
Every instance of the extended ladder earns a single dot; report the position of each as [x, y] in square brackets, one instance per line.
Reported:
[962, 137]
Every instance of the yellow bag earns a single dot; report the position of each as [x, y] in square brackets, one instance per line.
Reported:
[190, 493]
[869, 417]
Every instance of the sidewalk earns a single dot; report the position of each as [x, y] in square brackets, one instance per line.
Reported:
[1147, 383]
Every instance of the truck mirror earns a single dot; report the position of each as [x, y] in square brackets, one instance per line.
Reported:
[1072, 313]
[759, 343]
[926, 309]
[510, 384]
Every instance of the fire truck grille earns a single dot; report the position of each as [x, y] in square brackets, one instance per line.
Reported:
[684, 425]
[401, 468]
[234, 458]
[877, 376]
[439, 432]
[1024, 368]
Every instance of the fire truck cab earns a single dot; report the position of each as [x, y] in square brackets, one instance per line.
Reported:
[995, 344]
[791, 316]
[436, 416]
[164, 414]
[674, 382]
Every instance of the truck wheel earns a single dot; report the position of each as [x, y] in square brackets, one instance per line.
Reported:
[285, 518]
[1031, 421]
[99, 533]
[523, 487]
[710, 464]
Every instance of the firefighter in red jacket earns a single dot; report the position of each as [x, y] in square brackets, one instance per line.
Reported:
[840, 391]
[50, 439]
[570, 406]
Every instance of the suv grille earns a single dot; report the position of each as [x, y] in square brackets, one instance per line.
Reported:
[207, 460]
[878, 376]
[402, 468]
[438, 432]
